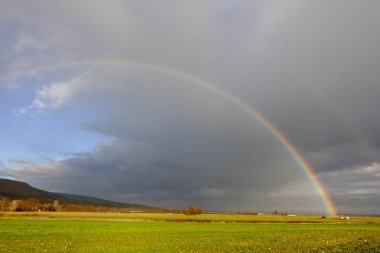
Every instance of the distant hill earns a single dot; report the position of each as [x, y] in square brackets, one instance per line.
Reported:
[20, 190]
[100, 202]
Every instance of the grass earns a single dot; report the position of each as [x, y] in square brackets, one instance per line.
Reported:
[94, 232]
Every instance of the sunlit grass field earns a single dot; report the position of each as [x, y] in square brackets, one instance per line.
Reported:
[105, 232]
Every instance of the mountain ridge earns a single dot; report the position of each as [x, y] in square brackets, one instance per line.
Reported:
[13, 189]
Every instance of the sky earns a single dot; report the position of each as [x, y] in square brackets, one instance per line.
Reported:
[146, 101]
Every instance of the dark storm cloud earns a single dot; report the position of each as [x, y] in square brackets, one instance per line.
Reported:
[321, 81]
[168, 150]
[311, 67]
[142, 173]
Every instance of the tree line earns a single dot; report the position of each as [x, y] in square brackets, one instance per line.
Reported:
[32, 204]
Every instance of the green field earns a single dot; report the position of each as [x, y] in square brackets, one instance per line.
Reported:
[103, 232]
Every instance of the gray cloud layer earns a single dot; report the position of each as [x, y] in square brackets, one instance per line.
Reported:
[312, 68]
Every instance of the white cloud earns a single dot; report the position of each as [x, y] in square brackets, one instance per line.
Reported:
[19, 112]
[38, 104]
[53, 96]
[57, 94]
[371, 170]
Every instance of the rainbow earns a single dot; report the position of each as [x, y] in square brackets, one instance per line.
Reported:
[248, 108]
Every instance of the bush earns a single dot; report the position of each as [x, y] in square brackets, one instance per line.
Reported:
[192, 210]
[4, 203]
[30, 204]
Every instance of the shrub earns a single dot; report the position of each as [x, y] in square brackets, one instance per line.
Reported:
[192, 210]
[30, 204]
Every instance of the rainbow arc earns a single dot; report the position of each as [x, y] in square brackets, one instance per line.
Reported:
[237, 101]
